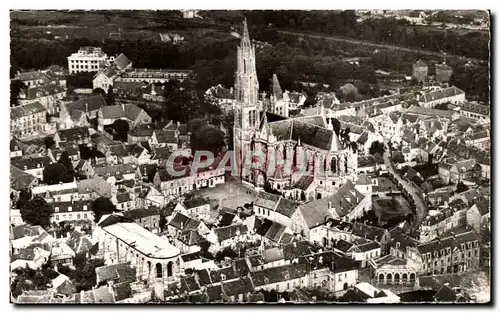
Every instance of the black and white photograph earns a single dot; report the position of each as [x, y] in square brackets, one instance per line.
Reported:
[250, 156]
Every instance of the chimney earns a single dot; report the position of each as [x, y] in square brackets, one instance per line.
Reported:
[295, 244]
[178, 124]
[86, 107]
[123, 107]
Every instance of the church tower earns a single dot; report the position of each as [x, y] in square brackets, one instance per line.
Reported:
[246, 110]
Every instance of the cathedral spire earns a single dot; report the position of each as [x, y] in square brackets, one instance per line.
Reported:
[276, 88]
[245, 37]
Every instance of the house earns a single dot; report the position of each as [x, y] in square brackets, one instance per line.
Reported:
[82, 244]
[452, 171]
[275, 208]
[33, 166]
[33, 256]
[154, 92]
[87, 59]
[61, 254]
[24, 236]
[115, 273]
[76, 135]
[474, 110]
[227, 236]
[165, 138]
[104, 79]
[197, 208]
[129, 112]
[239, 290]
[432, 98]
[124, 201]
[150, 197]
[33, 78]
[445, 294]
[282, 278]
[157, 76]
[80, 113]
[374, 233]
[443, 220]
[71, 211]
[93, 188]
[128, 90]
[147, 218]
[455, 252]
[122, 62]
[20, 180]
[371, 294]
[48, 95]
[28, 119]
[62, 285]
[173, 38]
[181, 223]
[331, 271]
[479, 213]
[361, 250]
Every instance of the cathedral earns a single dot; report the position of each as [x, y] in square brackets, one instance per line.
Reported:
[275, 149]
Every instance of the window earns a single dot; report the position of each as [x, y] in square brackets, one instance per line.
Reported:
[85, 215]
[56, 210]
[70, 209]
[340, 277]
[78, 216]
[71, 216]
[57, 217]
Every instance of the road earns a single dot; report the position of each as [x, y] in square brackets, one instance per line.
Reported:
[420, 204]
[382, 45]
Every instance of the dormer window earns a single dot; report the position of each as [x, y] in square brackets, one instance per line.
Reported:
[56, 209]
[85, 207]
[70, 209]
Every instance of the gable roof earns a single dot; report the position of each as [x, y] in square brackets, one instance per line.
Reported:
[26, 110]
[90, 104]
[122, 61]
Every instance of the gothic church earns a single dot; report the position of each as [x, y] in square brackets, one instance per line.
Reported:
[292, 148]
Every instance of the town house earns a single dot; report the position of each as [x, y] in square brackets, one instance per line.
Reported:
[28, 119]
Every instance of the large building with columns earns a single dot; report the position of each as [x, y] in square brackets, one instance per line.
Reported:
[391, 270]
[155, 259]
[303, 145]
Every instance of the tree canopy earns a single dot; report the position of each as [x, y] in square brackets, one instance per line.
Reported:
[102, 206]
[121, 128]
[377, 147]
[36, 212]
[110, 97]
[66, 161]
[56, 173]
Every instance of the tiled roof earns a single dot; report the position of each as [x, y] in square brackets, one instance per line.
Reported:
[308, 133]
[141, 213]
[452, 241]
[130, 111]
[90, 104]
[442, 93]
[31, 163]
[304, 182]
[278, 274]
[74, 134]
[286, 207]
[26, 110]
[122, 61]
[182, 222]
[166, 136]
[241, 286]
[227, 232]
[19, 179]
[420, 63]
[275, 232]
[33, 75]
[76, 206]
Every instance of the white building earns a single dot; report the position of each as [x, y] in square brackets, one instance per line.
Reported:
[87, 59]
[154, 258]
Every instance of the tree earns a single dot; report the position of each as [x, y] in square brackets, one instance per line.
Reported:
[110, 96]
[24, 197]
[102, 206]
[37, 212]
[99, 91]
[461, 187]
[121, 128]
[208, 138]
[336, 125]
[54, 174]
[377, 147]
[66, 161]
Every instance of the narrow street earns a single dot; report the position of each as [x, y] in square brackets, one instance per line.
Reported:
[421, 205]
